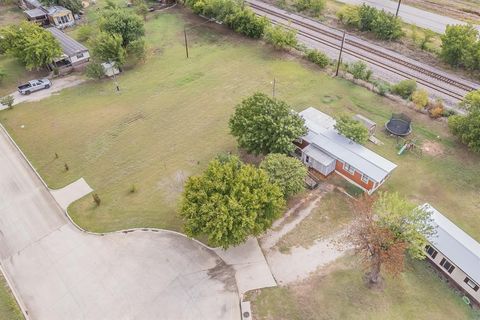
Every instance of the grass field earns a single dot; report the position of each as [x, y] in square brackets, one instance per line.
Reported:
[170, 119]
[339, 293]
[9, 309]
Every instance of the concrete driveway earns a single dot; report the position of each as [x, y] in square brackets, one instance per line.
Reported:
[62, 273]
[57, 86]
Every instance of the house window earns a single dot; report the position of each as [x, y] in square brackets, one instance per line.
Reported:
[447, 265]
[431, 252]
[471, 284]
[365, 178]
[307, 159]
[348, 168]
[80, 55]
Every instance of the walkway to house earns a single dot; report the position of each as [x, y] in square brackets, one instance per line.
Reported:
[300, 262]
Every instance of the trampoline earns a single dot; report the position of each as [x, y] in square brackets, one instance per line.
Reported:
[399, 125]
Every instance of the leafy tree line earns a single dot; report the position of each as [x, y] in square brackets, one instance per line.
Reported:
[31, 44]
[382, 24]
[236, 16]
[73, 5]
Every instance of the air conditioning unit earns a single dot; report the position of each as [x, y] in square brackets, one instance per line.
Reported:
[246, 311]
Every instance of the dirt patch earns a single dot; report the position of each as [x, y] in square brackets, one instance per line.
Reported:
[432, 148]
[172, 186]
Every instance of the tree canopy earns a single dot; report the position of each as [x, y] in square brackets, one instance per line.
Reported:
[471, 101]
[287, 172]
[108, 47]
[124, 23]
[467, 128]
[352, 129]
[264, 125]
[34, 46]
[229, 202]
[461, 46]
[385, 230]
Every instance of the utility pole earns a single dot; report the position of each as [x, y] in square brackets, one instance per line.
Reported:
[186, 42]
[340, 54]
[112, 67]
[398, 8]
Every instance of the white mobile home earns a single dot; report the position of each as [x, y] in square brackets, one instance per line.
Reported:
[456, 254]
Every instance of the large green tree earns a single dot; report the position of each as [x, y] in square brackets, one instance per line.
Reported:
[264, 125]
[385, 230]
[467, 129]
[34, 46]
[108, 47]
[352, 129]
[229, 202]
[287, 172]
[124, 23]
[471, 101]
[461, 47]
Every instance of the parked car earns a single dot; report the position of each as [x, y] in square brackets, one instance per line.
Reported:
[34, 85]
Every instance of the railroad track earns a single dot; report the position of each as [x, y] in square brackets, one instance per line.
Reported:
[333, 40]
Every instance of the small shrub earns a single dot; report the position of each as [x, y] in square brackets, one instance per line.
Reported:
[382, 87]
[96, 199]
[281, 38]
[349, 15]
[245, 21]
[387, 27]
[367, 16]
[427, 38]
[437, 110]
[360, 70]
[420, 99]
[66, 166]
[404, 88]
[448, 112]
[85, 32]
[8, 101]
[315, 6]
[318, 57]
[95, 71]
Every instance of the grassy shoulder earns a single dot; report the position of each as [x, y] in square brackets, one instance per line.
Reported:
[171, 118]
[338, 292]
[8, 306]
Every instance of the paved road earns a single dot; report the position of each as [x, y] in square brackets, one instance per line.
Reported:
[412, 15]
[62, 273]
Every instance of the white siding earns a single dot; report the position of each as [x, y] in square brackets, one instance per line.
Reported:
[457, 275]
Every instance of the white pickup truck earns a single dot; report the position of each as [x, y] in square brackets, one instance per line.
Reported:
[34, 85]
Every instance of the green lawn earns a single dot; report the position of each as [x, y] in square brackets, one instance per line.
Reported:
[339, 293]
[170, 119]
[9, 309]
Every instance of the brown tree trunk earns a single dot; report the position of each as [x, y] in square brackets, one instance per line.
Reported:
[373, 277]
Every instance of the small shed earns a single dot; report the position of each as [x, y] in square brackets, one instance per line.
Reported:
[369, 124]
[60, 17]
[37, 15]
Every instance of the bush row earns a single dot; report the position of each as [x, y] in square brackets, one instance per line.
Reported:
[230, 12]
[382, 24]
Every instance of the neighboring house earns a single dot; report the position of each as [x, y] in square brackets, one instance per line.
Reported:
[38, 15]
[325, 150]
[74, 53]
[60, 17]
[456, 254]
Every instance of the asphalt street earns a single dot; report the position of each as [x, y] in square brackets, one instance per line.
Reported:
[59, 272]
